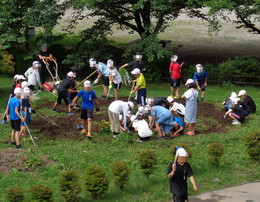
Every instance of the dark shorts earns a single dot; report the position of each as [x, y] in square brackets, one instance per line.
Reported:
[203, 88]
[179, 199]
[175, 83]
[106, 81]
[63, 96]
[16, 125]
[87, 114]
[141, 97]
[117, 86]
[144, 138]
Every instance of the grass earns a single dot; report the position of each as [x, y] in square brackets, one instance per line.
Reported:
[236, 166]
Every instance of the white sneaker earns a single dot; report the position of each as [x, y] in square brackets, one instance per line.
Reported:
[236, 123]
[135, 97]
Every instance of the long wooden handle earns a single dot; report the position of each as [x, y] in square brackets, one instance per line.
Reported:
[130, 92]
[85, 79]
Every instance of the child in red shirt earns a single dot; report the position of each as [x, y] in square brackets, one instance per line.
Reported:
[175, 72]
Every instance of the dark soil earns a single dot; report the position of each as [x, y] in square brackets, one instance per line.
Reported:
[212, 121]
[11, 158]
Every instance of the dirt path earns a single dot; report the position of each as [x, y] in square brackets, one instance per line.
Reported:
[243, 193]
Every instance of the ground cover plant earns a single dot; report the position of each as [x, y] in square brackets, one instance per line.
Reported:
[68, 150]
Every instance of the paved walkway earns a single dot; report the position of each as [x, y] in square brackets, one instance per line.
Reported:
[243, 193]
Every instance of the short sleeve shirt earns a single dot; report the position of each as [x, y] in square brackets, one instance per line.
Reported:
[14, 102]
[178, 121]
[200, 77]
[117, 77]
[175, 69]
[103, 69]
[87, 99]
[65, 85]
[140, 81]
[191, 94]
[142, 128]
[136, 64]
[178, 183]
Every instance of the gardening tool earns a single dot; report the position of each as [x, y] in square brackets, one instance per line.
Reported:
[26, 125]
[49, 92]
[55, 77]
[46, 118]
[4, 115]
[131, 91]
[97, 86]
[85, 79]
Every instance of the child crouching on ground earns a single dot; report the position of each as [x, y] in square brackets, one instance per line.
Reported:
[26, 111]
[178, 172]
[89, 98]
[142, 128]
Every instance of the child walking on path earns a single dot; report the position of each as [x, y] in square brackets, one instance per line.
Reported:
[89, 98]
[178, 172]
[13, 113]
[191, 96]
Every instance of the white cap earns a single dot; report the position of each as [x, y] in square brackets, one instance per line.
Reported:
[24, 84]
[199, 68]
[189, 81]
[181, 152]
[233, 95]
[174, 58]
[131, 104]
[234, 100]
[20, 77]
[149, 101]
[27, 91]
[141, 110]
[132, 118]
[138, 56]
[17, 91]
[242, 92]
[36, 62]
[87, 83]
[15, 76]
[129, 113]
[92, 62]
[136, 71]
[170, 99]
[110, 63]
[71, 74]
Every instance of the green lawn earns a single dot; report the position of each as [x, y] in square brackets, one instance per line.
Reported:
[236, 166]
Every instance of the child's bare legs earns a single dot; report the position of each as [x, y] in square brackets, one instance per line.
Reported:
[202, 94]
[23, 131]
[13, 136]
[192, 127]
[232, 117]
[69, 108]
[172, 90]
[89, 125]
[177, 91]
[55, 105]
[17, 138]
[105, 88]
[159, 130]
[116, 94]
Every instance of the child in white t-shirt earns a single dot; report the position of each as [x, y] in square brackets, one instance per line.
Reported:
[114, 77]
[142, 128]
[176, 108]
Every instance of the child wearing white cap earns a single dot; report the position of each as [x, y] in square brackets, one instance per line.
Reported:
[26, 111]
[13, 114]
[247, 100]
[178, 172]
[142, 128]
[176, 108]
[175, 72]
[191, 96]
[89, 100]
[33, 76]
[201, 79]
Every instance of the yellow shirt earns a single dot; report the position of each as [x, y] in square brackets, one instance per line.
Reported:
[140, 81]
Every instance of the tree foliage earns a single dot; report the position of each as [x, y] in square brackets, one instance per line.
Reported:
[121, 173]
[6, 63]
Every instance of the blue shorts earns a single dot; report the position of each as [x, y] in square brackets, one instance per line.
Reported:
[28, 118]
[141, 97]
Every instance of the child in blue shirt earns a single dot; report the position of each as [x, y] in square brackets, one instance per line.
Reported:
[26, 111]
[201, 79]
[89, 98]
[13, 113]
[178, 127]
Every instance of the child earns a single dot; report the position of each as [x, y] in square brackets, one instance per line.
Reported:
[141, 127]
[162, 118]
[236, 113]
[175, 72]
[247, 100]
[26, 111]
[140, 87]
[178, 127]
[228, 101]
[178, 172]
[13, 113]
[102, 71]
[201, 79]
[114, 77]
[176, 108]
[89, 98]
[191, 96]
[33, 76]
[63, 91]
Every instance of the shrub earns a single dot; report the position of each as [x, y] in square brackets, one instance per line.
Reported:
[215, 150]
[121, 173]
[41, 193]
[148, 160]
[69, 185]
[96, 181]
[32, 160]
[252, 143]
[6, 63]
[14, 194]
[186, 146]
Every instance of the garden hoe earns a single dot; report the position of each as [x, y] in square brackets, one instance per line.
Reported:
[85, 79]
[131, 91]
[26, 125]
